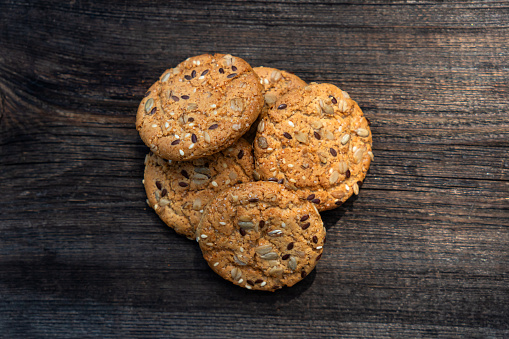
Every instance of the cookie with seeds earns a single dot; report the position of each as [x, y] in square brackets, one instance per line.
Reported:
[317, 142]
[179, 190]
[200, 107]
[261, 236]
[276, 83]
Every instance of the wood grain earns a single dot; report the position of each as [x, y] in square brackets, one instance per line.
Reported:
[423, 251]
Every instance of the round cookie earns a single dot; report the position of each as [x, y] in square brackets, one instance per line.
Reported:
[276, 83]
[200, 107]
[316, 141]
[261, 236]
[179, 190]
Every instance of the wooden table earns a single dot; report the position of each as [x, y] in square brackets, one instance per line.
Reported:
[423, 251]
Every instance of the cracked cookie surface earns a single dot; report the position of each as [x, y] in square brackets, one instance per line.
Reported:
[261, 236]
[180, 190]
[276, 83]
[317, 142]
[200, 107]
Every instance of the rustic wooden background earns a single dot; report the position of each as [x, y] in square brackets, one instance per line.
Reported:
[422, 252]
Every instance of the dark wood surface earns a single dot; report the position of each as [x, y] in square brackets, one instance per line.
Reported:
[422, 252]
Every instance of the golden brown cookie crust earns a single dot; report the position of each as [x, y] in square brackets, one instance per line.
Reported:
[276, 83]
[200, 107]
[179, 191]
[316, 141]
[261, 236]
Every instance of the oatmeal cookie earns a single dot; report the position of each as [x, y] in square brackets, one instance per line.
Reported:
[261, 236]
[200, 107]
[317, 142]
[179, 190]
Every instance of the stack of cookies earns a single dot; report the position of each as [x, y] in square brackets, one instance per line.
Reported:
[243, 160]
